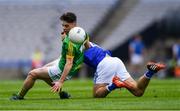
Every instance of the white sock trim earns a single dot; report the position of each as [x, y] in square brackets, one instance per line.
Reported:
[146, 76]
[108, 88]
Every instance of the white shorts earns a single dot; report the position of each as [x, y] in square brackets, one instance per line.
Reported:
[178, 62]
[54, 71]
[136, 59]
[108, 68]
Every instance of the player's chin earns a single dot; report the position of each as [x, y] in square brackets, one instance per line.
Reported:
[66, 31]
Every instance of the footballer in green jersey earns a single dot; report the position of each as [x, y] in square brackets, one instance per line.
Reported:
[54, 73]
[71, 58]
[70, 62]
[71, 50]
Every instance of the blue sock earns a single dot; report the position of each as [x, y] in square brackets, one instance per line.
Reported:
[111, 87]
[149, 74]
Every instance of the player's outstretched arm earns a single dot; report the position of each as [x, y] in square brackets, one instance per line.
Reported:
[58, 85]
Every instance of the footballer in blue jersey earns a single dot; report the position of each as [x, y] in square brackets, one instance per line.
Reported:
[176, 52]
[111, 72]
[94, 55]
[136, 50]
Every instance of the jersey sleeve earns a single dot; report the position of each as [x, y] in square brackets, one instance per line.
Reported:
[70, 51]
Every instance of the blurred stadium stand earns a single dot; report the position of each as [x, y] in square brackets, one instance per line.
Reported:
[150, 20]
[141, 16]
[153, 19]
[28, 24]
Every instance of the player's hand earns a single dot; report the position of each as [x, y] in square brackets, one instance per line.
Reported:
[56, 87]
[63, 35]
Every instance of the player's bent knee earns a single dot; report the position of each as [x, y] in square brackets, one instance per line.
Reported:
[100, 91]
[139, 93]
[99, 96]
[33, 74]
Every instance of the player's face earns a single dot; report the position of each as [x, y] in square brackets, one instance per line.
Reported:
[67, 26]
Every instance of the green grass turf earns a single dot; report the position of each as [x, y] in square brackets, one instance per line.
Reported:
[160, 94]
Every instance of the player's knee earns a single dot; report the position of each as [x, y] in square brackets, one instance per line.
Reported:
[98, 96]
[33, 74]
[139, 93]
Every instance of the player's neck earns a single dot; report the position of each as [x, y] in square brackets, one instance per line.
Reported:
[87, 45]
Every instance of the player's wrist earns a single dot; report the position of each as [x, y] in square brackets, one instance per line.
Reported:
[61, 81]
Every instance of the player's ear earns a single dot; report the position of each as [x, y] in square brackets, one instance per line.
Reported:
[74, 23]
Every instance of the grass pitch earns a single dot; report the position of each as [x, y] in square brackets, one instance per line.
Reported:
[160, 95]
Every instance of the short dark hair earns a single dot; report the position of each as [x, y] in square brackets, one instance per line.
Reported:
[68, 17]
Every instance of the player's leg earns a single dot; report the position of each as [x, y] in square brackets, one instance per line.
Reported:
[103, 89]
[138, 88]
[48, 74]
[40, 73]
[103, 77]
[100, 90]
[120, 71]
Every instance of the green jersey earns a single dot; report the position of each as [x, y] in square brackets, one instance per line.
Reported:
[74, 51]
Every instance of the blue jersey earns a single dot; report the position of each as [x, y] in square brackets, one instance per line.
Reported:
[94, 55]
[176, 50]
[138, 47]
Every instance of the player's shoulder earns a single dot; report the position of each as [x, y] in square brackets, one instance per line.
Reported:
[94, 44]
